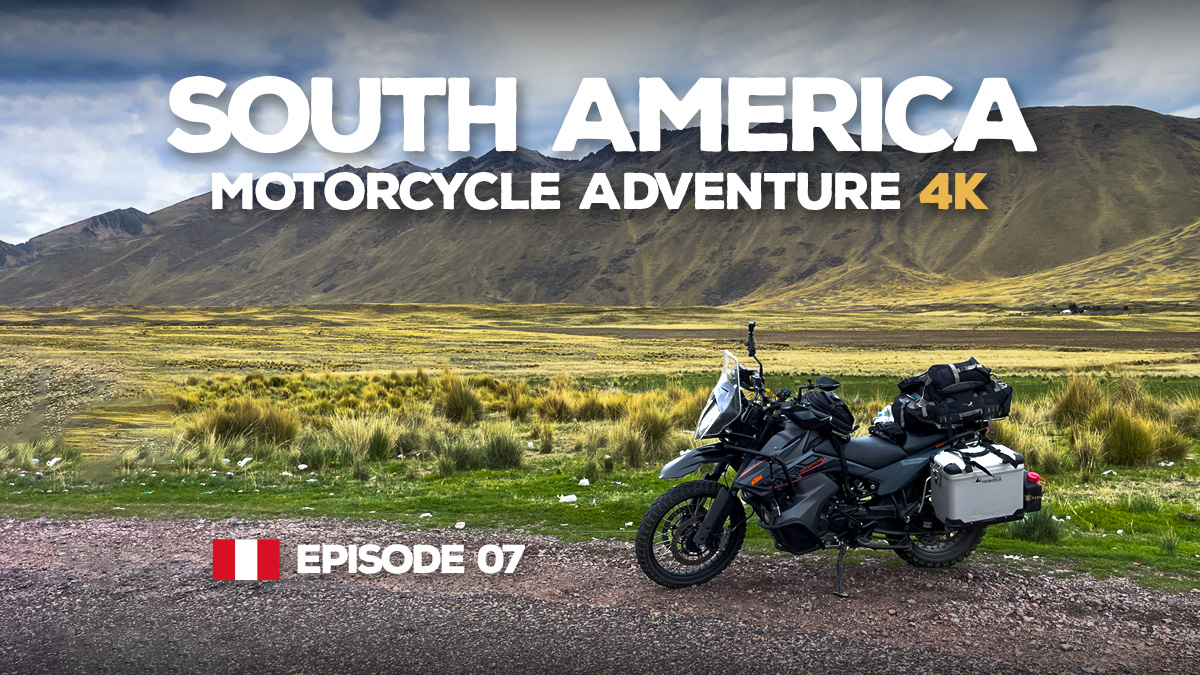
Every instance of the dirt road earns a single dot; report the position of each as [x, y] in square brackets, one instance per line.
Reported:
[131, 595]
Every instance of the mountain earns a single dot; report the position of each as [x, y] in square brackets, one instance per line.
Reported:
[1108, 188]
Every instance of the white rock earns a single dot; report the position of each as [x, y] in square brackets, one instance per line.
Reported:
[459, 525]
[567, 498]
[285, 473]
[629, 524]
[301, 467]
[426, 515]
[245, 461]
[585, 482]
[52, 462]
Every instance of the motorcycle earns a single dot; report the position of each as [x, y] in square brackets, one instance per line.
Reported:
[812, 486]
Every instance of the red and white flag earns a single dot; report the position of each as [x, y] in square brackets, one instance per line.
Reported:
[245, 559]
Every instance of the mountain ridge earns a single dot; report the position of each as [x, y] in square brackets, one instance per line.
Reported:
[1103, 179]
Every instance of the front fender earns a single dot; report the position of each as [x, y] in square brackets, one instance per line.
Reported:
[694, 459]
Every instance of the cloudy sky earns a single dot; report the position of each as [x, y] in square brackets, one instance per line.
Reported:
[83, 86]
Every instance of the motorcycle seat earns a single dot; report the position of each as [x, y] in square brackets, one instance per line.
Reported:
[915, 443]
[873, 452]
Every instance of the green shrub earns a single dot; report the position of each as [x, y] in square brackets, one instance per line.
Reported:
[1128, 441]
[1039, 527]
[502, 449]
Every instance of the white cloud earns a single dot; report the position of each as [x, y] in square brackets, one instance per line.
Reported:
[71, 149]
[80, 151]
[1143, 54]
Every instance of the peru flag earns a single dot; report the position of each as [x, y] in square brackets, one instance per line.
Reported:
[245, 559]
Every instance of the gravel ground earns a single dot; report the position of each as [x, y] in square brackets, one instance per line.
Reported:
[130, 595]
[38, 395]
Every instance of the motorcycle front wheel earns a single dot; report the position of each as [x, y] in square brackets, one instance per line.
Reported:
[665, 547]
[942, 550]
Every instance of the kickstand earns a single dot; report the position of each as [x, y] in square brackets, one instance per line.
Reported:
[841, 555]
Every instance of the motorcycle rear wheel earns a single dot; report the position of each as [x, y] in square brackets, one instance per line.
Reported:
[936, 551]
[664, 548]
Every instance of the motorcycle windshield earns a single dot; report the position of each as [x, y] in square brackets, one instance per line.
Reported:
[724, 403]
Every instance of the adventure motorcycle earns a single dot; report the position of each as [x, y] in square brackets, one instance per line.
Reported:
[813, 486]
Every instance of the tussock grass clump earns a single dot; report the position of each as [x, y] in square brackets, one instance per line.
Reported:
[502, 448]
[687, 408]
[656, 429]
[375, 438]
[1128, 441]
[589, 406]
[1047, 459]
[43, 454]
[132, 458]
[1075, 403]
[555, 405]
[616, 405]
[1143, 502]
[1169, 444]
[1168, 541]
[563, 382]
[1130, 394]
[627, 445]
[458, 401]
[463, 451]
[184, 402]
[1010, 435]
[247, 418]
[515, 398]
[1185, 414]
[595, 438]
[1039, 527]
[1087, 449]
[320, 450]
[591, 470]
[446, 466]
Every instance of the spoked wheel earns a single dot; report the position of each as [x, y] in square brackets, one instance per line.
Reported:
[666, 548]
[944, 549]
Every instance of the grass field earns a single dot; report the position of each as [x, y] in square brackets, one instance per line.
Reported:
[489, 414]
